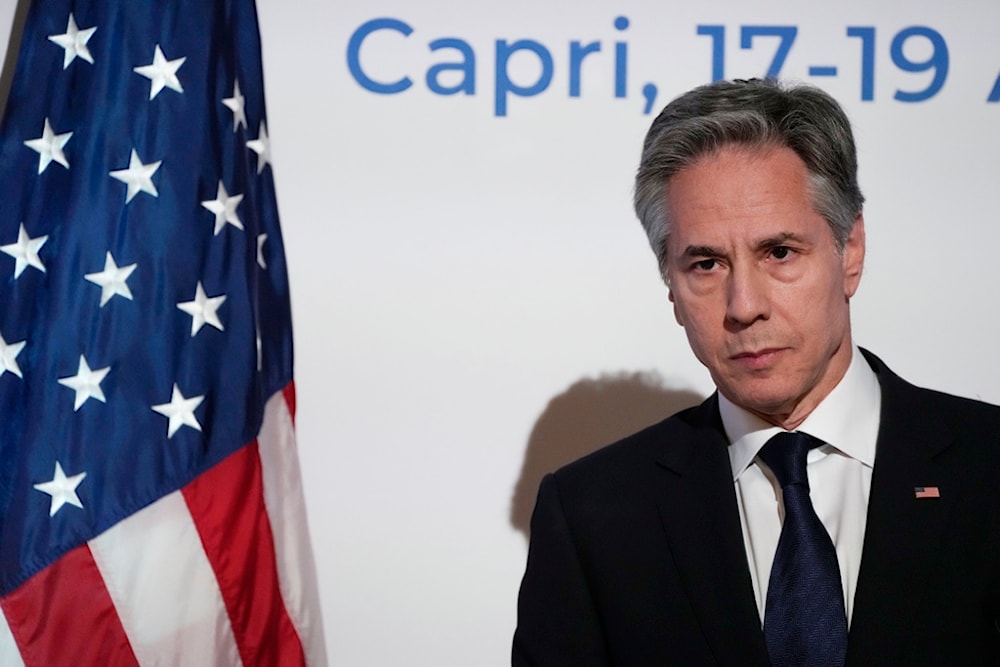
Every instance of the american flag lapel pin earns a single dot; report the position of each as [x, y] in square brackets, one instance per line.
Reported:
[926, 492]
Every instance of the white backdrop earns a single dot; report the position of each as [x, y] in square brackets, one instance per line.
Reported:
[466, 284]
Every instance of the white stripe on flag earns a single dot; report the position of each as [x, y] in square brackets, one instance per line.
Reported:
[9, 655]
[157, 574]
[287, 513]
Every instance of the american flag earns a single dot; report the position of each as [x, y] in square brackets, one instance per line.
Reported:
[151, 510]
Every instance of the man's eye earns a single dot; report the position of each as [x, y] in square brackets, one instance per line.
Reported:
[781, 252]
[705, 264]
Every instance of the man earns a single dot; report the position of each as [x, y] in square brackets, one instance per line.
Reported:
[690, 543]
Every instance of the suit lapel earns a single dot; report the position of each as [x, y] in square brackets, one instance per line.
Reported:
[903, 533]
[698, 508]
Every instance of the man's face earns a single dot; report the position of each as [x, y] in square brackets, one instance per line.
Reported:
[757, 282]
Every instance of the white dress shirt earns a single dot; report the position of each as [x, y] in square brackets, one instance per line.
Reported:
[840, 475]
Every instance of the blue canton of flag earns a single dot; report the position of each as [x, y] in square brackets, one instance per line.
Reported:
[150, 507]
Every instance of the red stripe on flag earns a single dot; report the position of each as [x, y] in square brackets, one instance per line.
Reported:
[64, 616]
[227, 504]
[289, 392]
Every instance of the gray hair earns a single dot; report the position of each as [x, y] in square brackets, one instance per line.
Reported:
[755, 114]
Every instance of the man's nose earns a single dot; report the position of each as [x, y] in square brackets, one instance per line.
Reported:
[748, 296]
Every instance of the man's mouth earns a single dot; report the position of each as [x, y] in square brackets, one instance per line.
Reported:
[757, 359]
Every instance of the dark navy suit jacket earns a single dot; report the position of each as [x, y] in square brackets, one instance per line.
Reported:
[637, 554]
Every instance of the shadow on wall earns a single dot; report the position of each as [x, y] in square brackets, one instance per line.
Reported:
[585, 417]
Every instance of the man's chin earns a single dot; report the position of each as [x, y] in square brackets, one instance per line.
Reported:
[770, 404]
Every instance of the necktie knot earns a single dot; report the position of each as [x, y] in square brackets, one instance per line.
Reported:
[785, 454]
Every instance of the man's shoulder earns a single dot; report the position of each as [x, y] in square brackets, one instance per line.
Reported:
[958, 404]
[959, 411]
[963, 416]
[968, 428]
[616, 487]
[689, 430]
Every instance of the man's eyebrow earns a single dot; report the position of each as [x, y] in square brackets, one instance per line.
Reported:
[701, 251]
[779, 240]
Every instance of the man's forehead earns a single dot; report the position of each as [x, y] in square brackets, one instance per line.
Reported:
[741, 198]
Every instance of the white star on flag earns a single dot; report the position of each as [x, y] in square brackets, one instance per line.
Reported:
[180, 411]
[62, 489]
[261, 146]
[162, 73]
[25, 251]
[261, 240]
[8, 357]
[86, 383]
[112, 280]
[237, 104]
[224, 208]
[203, 310]
[49, 147]
[138, 177]
[74, 41]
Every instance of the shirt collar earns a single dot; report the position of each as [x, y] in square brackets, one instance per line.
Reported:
[847, 419]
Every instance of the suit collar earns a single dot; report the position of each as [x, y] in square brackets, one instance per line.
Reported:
[698, 509]
[847, 419]
[687, 454]
[906, 412]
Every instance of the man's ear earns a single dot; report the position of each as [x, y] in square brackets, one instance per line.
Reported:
[854, 257]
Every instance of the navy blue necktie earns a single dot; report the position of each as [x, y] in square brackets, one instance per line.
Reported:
[804, 619]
